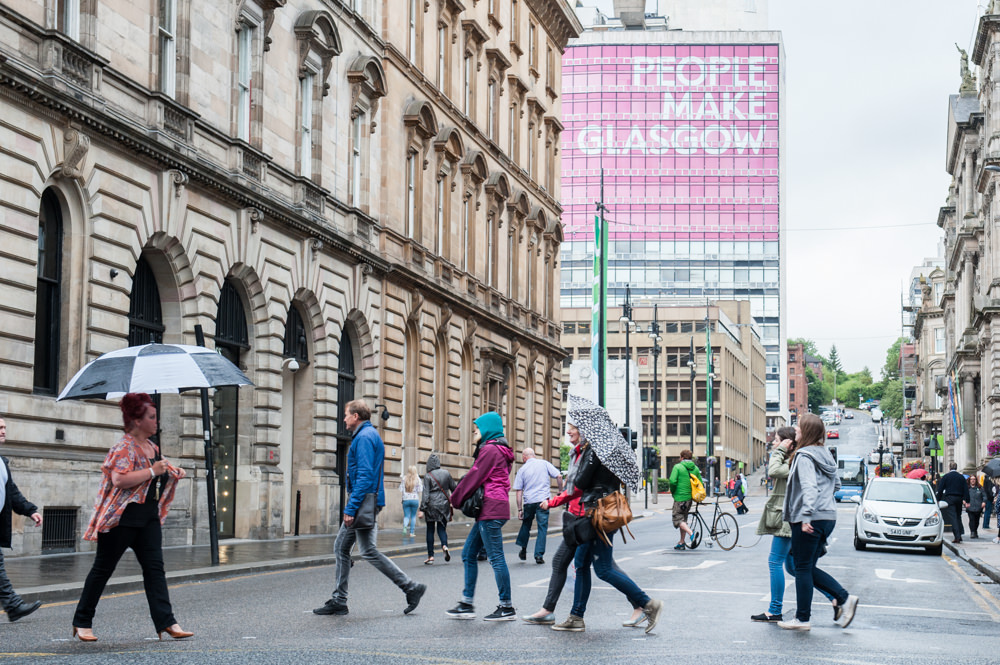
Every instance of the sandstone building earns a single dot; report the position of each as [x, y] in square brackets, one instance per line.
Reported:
[368, 187]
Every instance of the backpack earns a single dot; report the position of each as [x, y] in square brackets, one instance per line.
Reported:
[698, 493]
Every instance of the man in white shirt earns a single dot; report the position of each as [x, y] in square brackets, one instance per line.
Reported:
[533, 486]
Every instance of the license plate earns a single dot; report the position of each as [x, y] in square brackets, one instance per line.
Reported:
[899, 532]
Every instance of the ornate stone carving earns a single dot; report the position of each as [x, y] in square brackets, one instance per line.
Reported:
[414, 315]
[255, 216]
[446, 314]
[470, 331]
[968, 78]
[179, 180]
[75, 147]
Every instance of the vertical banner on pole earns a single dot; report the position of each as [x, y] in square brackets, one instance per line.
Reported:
[598, 332]
[708, 377]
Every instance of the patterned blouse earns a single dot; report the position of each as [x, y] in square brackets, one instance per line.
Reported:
[111, 501]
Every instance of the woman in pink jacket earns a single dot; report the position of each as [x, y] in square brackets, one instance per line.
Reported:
[491, 471]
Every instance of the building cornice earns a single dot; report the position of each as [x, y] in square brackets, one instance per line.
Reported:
[558, 19]
[988, 24]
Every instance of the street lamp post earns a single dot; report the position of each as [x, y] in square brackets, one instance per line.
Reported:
[691, 364]
[654, 334]
[626, 320]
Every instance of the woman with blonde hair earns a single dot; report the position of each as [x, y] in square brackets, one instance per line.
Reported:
[411, 489]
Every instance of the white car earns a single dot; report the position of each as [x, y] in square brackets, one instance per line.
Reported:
[899, 512]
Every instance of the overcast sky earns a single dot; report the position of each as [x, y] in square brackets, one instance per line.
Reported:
[866, 123]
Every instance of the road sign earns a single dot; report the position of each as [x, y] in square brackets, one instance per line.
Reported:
[729, 463]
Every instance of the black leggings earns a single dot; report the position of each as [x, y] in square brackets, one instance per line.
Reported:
[147, 543]
[442, 531]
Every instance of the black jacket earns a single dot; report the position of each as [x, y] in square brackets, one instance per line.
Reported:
[14, 502]
[989, 490]
[594, 479]
[953, 485]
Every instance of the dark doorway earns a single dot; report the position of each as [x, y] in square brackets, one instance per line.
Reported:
[345, 393]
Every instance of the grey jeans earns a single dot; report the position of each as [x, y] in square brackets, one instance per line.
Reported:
[366, 539]
[8, 597]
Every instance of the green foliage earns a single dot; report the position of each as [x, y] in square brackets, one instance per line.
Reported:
[892, 400]
[890, 370]
[807, 344]
[817, 391]
[564, 451]
[834, 361]
[663, 485]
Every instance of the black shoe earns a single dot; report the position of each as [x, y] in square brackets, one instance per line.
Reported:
[501, 614]
[539, 560]
[462, 611]
[523, 554]
[413, 597]
[766, 618]
[481, 557]
[23, 610]
[331, 607]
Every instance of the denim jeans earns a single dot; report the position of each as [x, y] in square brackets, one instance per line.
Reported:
[532, 511]
[442, 531]
[780, 555]
[488, 535]
[560, 564]
[602, 556]
[986, 513]
[367, 540]
[410, 514]
[805, 550]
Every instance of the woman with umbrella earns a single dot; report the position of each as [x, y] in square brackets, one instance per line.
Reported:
[132, 503]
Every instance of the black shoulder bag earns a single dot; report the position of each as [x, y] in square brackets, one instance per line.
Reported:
[367, 512]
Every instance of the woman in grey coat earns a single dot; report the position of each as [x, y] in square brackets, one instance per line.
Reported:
[811, 511]
[435, 506]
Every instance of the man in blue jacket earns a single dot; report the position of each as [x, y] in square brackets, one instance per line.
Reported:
[365, 468]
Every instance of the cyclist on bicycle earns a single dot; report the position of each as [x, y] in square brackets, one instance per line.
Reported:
[680, 489]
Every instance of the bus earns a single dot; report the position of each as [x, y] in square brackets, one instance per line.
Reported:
[853, 474]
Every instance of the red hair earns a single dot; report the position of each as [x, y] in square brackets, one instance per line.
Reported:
[133, 407]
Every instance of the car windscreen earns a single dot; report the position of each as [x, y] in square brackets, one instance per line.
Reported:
[851, 472]
[914, 492]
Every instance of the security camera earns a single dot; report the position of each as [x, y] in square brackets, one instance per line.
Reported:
[291, 364]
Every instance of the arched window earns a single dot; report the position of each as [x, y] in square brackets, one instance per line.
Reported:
[47, 294]
[231, 340]
[345, 393]
[145, 320]
[296, 344]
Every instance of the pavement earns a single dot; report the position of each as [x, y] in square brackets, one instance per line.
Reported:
[60, 577]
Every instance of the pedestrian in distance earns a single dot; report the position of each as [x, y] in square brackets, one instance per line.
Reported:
[989, 495]
[411, 489]
[953, 489]
[977, 504]
[574, 548]
[134, 497]
[680, 490]
[811, 511]
[740, 495]
[365, 475]
[532, 487]
[435, 506]
[772, 523]
[491, 471]
[12, 501]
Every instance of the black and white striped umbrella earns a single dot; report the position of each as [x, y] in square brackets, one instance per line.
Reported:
[153, 368]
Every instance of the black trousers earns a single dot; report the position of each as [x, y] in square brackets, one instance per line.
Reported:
[953, 513]
[8, 597]
[974, 518]
[147, 543]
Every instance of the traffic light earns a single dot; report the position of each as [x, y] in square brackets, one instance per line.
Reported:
[652, 460]
[630, 435]
[927, 445]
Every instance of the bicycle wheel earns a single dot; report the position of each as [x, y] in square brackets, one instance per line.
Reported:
[697, 530]
[726, 531]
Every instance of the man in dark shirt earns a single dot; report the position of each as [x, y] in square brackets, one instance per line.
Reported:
[954, 489]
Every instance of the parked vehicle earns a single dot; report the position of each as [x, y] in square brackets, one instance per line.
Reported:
[899, 512]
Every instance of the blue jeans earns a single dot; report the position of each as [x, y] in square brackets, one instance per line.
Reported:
[602, 556]
[986, 514]
[805, 551]
[410, 514]
[488, 535]
[781, 553]
[532, 511]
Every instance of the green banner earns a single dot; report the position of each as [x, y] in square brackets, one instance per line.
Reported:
[598, 329]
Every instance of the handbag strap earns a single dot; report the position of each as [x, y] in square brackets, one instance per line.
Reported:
[443, 491]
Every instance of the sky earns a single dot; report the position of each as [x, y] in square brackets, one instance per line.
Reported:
[866, 109]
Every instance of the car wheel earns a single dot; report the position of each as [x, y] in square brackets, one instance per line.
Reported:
[859, 544]
[935, 550]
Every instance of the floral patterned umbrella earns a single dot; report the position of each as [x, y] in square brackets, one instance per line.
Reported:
[607, 442]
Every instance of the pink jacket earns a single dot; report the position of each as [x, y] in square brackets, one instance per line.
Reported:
[492, 471]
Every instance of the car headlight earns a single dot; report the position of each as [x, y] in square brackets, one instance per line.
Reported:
[868, 515]
[933, 520]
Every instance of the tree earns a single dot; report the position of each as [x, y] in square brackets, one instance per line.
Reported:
[834, 360]
[890, 370]
[807, 344]
[891, 403]
[817, 391]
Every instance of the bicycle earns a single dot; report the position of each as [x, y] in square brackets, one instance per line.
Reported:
[725, 531]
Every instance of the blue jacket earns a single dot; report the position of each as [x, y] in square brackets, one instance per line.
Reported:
[365, 460]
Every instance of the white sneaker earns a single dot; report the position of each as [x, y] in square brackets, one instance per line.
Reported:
[794, 624]
[850, 607]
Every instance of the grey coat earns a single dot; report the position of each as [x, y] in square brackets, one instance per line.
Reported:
[434, 501]
[976, 500]
[812, 481]
[772, 521]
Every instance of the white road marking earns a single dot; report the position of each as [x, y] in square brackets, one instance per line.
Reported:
[701, 566]
[249, 637]
[886, 574]
[538, 584]
[648, 553]
[624, 558]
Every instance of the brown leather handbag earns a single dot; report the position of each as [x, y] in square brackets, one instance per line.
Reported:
[611, 514]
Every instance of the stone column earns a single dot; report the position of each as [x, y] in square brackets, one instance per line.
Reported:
[969, 421]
